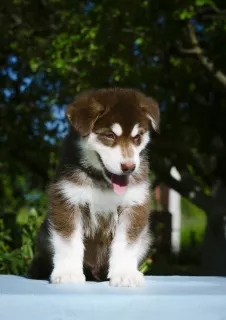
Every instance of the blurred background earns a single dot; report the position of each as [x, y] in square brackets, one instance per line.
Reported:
[174, 51]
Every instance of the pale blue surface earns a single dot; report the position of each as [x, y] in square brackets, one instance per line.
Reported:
[176, 298]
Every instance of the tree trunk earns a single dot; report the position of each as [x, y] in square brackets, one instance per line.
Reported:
[214, 205]
[214, 246]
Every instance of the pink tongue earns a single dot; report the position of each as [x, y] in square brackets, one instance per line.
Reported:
[119, 183]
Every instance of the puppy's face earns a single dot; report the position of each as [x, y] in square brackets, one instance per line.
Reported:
[115, 126]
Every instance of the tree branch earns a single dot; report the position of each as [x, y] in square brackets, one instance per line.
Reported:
[181, 153]
[137, 33]
[218, 10]
[211, 9]
[198, 51]
[190, 189]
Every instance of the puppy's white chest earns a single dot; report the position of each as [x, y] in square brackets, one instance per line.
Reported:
[103, 200]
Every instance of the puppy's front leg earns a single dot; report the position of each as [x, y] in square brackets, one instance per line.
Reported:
[67, 242]
[129, 246]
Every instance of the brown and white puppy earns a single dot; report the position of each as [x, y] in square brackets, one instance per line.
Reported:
[99, 200]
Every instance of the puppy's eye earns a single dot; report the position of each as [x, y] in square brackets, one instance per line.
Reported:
[110, 136]
[137, 138]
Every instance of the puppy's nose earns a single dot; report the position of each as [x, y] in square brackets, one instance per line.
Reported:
[128, 167]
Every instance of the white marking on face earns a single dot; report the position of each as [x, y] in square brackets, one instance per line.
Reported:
[137, 149]
[125, 257]
[90, 156]
[111, 156]
[135, 130]
[144, 142]
[117, 129]
[68, 256]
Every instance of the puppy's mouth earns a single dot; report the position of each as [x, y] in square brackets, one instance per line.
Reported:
[119, 183]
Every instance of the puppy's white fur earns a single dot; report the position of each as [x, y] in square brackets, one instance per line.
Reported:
[69, 253]
[135, 130]
[117, 129]
[153, 122]
[68, 256]
[103, 200]
[125, 257]
[112, 157]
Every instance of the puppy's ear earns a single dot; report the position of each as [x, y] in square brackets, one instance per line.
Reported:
[151, 108]
[83, 113]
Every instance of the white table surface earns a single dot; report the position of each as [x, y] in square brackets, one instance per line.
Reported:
[176, 298]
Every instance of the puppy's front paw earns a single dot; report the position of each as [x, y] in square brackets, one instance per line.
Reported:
[67, 278]
[127, 279]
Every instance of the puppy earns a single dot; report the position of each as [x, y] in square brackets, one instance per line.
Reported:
[99, 200]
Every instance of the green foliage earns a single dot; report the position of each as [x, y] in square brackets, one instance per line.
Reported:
[17, 240]
[192, 225]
